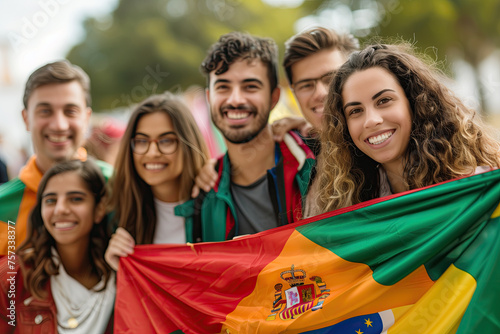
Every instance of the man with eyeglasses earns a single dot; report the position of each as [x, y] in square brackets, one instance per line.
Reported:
[311, 58]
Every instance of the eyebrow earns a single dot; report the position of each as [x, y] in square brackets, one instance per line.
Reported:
[76, 192]
[373, 98]
[161, 134]
[244, 81]
[46, 104]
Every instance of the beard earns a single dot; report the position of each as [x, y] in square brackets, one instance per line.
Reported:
[240, 134]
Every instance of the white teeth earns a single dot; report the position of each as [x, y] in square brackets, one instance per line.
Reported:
[63, 224]
[318, 110]
[58, 139]
[237, 115]
[155, 166]
[380, 138]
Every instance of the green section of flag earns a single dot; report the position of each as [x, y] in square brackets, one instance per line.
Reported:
[394, 237]
[435, 227]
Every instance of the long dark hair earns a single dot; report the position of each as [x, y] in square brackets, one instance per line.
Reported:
[35, 252]
[132, 199]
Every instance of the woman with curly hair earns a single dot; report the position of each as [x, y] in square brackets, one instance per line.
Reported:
[391, 125]
[161, 152]
[58, 281]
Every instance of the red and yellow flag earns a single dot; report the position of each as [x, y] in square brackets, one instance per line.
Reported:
[425, 261]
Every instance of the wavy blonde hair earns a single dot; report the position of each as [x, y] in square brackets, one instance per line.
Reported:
[447, 140]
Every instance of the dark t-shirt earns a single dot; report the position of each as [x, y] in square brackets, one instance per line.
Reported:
[254, 208]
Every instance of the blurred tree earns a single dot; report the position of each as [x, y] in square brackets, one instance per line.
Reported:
[459, 29]
[149, 46]
[454, 29]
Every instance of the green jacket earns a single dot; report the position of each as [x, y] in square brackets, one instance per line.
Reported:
[212, 216]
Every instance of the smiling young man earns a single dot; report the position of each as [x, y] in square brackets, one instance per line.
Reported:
[56, 113]
[260, 183]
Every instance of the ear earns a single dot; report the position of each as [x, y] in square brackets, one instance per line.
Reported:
[207, 93]
[88, 113]
[26, 119]
[275, 97]
[100, 211]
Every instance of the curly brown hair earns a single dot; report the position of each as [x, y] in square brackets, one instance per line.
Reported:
[35, 252]
[236, 46]
[447, 140]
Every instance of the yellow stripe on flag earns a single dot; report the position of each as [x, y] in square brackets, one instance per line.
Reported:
[440, 310]
[496, 213]
[353, 291]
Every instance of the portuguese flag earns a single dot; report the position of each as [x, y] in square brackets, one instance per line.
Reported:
[424, 261]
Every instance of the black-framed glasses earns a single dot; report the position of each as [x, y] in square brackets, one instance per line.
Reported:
[308, 86]
[166, 145]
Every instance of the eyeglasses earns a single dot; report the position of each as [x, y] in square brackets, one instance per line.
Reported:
[307, 87]
[166, 145]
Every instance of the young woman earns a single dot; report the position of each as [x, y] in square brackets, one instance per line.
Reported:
[160, 155]
[59, 281]
[391, 126]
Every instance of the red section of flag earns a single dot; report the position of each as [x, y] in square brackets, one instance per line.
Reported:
[207, 295]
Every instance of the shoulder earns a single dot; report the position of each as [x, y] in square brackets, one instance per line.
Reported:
[106, 169]
[11, 195]
[12, 187]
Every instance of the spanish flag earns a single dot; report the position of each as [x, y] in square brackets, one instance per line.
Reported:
[424, 261]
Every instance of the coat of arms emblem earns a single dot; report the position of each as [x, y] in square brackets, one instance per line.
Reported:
[300, 297]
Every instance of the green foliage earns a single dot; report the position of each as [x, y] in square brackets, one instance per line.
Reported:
[150, 46]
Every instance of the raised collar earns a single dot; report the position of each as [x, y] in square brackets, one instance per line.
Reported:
[31, 175]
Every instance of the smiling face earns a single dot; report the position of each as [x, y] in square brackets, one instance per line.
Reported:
[311, 100]
[69, 210]
[240, 100]
[378, 115]
[57, 117]
[160, 171]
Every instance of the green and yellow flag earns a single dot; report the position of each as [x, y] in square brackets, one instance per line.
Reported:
[425, 261]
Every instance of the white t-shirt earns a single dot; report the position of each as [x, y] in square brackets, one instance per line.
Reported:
[385, 187]
[80, 310]
[170, 229]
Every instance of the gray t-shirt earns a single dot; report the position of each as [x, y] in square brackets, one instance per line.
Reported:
[254, 208]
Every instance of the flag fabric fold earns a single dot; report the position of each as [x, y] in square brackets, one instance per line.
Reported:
[425, 261]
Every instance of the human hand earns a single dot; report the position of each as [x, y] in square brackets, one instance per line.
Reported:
[121, 244]
[286, 124]
[205, 179]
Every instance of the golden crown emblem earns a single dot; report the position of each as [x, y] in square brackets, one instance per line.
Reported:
[293, 276]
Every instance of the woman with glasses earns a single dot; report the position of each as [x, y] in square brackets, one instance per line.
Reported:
[160, 155]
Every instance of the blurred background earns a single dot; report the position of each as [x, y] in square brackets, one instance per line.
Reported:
[132, 49]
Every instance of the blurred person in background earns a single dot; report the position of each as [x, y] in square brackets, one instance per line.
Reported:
[104, 141]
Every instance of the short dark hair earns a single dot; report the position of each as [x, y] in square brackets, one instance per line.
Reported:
[54, 73]
[312, 41]
[236, 46]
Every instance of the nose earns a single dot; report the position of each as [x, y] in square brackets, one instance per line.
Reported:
[153, 150]
[372, 118]
[236, 98]
[61, 207]
[59, 121]
[320, 91]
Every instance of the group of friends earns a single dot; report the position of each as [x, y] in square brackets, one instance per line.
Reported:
[377, 121]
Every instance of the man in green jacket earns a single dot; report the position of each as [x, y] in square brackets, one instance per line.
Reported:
[56, 113]
[260, 183]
